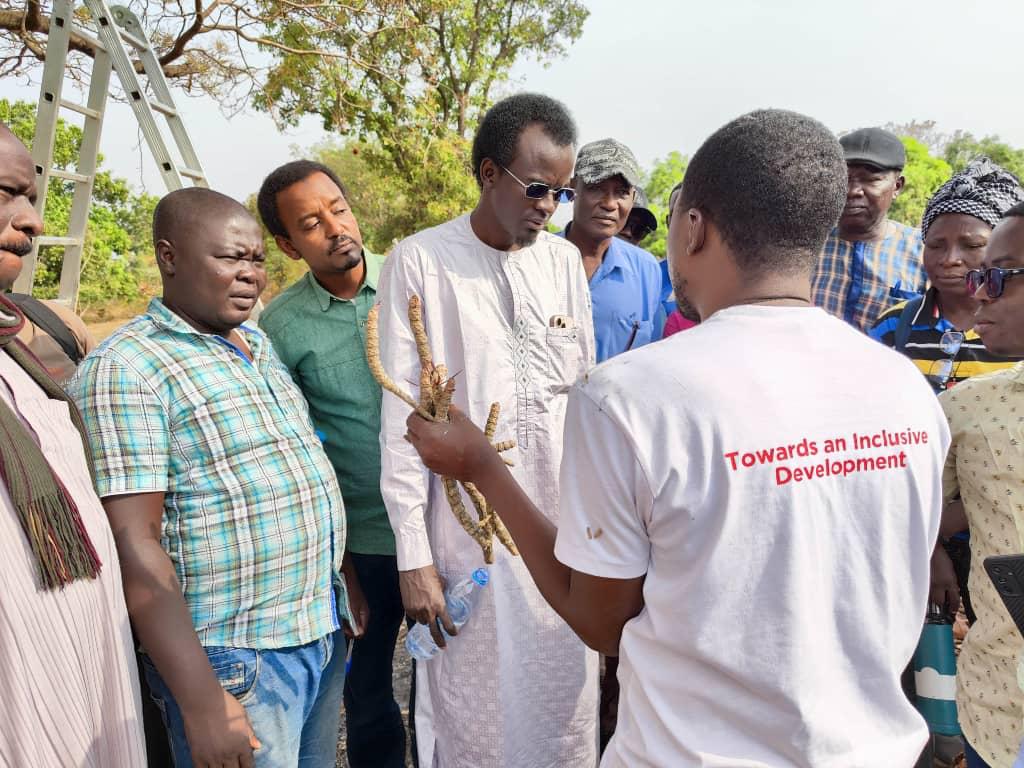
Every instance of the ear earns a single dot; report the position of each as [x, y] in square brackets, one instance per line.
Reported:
[489, 172]
[286, 245]
[900, 181]
[165, 257]
[697, 234]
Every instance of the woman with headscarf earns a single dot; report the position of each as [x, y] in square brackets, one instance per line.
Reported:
[936, 330]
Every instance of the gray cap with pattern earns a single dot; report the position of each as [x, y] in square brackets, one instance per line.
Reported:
[600, 160]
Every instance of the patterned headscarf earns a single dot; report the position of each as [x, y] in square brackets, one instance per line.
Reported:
[983, 190]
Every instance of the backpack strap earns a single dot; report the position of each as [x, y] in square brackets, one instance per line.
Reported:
[51, 324]
[906, 319]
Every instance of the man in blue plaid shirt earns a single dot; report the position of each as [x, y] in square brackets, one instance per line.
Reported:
[869, 262]
[226, 511]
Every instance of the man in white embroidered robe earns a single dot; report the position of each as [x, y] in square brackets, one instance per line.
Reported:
[507, 310]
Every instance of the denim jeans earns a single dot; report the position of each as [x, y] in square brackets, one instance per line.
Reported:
[974, 760]
[376, 735]
[291, 695]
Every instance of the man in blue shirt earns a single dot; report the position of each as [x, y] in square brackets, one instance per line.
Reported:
[625, 281]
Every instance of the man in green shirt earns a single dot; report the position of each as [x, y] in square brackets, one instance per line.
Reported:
[318, 328]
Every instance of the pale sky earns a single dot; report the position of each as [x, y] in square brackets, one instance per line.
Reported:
[661, 75]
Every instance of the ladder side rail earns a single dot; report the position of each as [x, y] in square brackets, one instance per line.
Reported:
[128, 21]
[71, 268]
[47, 112]
[134, 90]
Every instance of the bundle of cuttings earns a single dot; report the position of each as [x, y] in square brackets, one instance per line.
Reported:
[436, 390]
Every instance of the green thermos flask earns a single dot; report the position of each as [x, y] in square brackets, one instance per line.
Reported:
[935, 673]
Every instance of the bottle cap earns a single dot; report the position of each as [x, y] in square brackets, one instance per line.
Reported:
[481, 577]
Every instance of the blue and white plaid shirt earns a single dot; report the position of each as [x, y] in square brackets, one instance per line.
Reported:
[857, 281]
[253, 518]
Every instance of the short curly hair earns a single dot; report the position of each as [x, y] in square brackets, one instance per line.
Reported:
[280, 179]
[500, 129]
[774, 184]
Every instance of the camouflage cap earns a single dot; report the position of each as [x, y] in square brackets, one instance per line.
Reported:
[600, 160]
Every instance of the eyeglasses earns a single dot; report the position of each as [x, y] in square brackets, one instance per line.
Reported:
[942, 370]
[537, 190]
[993, 278]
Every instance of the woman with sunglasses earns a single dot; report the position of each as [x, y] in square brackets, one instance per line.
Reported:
[936, 330]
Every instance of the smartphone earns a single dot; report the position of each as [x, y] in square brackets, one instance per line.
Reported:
[1007, 573]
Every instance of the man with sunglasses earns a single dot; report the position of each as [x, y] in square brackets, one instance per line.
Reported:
[507, 310]
[641, 222]
[625, 281]
[985, 467]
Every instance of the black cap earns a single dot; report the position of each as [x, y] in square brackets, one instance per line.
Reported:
[874, 146]
[642, 211]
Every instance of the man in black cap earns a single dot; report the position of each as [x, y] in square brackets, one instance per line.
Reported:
[869, 261]
[641, 222]
[625, 281]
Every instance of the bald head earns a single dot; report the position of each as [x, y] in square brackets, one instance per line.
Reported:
[181, 212]
[210, 252]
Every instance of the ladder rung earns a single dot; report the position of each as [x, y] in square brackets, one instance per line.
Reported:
[128, 37]
[166, 109]
[45, 240]
[79, 109]
[191, 173]
[69, 176]
[88, 37]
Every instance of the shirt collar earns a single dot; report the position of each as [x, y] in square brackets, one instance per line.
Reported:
[614, 258]
[928, 312]
[169, 321]
[1017, 376]
[325, 297]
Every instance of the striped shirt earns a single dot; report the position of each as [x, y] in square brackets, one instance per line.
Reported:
[923, 345]
[856, 281]
[253, 519]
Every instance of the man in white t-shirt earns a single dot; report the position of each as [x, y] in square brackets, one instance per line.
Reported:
[746, 516]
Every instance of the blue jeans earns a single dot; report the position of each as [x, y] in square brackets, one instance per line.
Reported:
[974, 760]
[292, 697]
[376, 735]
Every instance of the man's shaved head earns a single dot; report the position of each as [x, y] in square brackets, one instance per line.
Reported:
[210, 252]
[180, 212]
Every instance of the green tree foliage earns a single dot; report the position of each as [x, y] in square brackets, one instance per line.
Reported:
[410, 116]
[116, 260]
[963, 147]
[389, 205]
[664, 175]
[924, 173]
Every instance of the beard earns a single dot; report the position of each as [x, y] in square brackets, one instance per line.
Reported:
[686, 309]
[342, 260]
[526, 239]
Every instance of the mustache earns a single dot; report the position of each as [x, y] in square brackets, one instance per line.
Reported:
[20, 249]
[342, 242]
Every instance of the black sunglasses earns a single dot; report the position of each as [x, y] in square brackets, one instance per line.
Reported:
[537, 190]
[993, 278]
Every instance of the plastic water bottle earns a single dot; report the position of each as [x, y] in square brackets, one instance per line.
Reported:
[459, 599]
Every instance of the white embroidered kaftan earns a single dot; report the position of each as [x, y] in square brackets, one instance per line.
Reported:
[516, 688]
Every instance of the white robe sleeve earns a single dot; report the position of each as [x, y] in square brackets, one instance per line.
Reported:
[404, 480]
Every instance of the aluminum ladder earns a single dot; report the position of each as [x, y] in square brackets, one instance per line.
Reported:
[117, 30]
